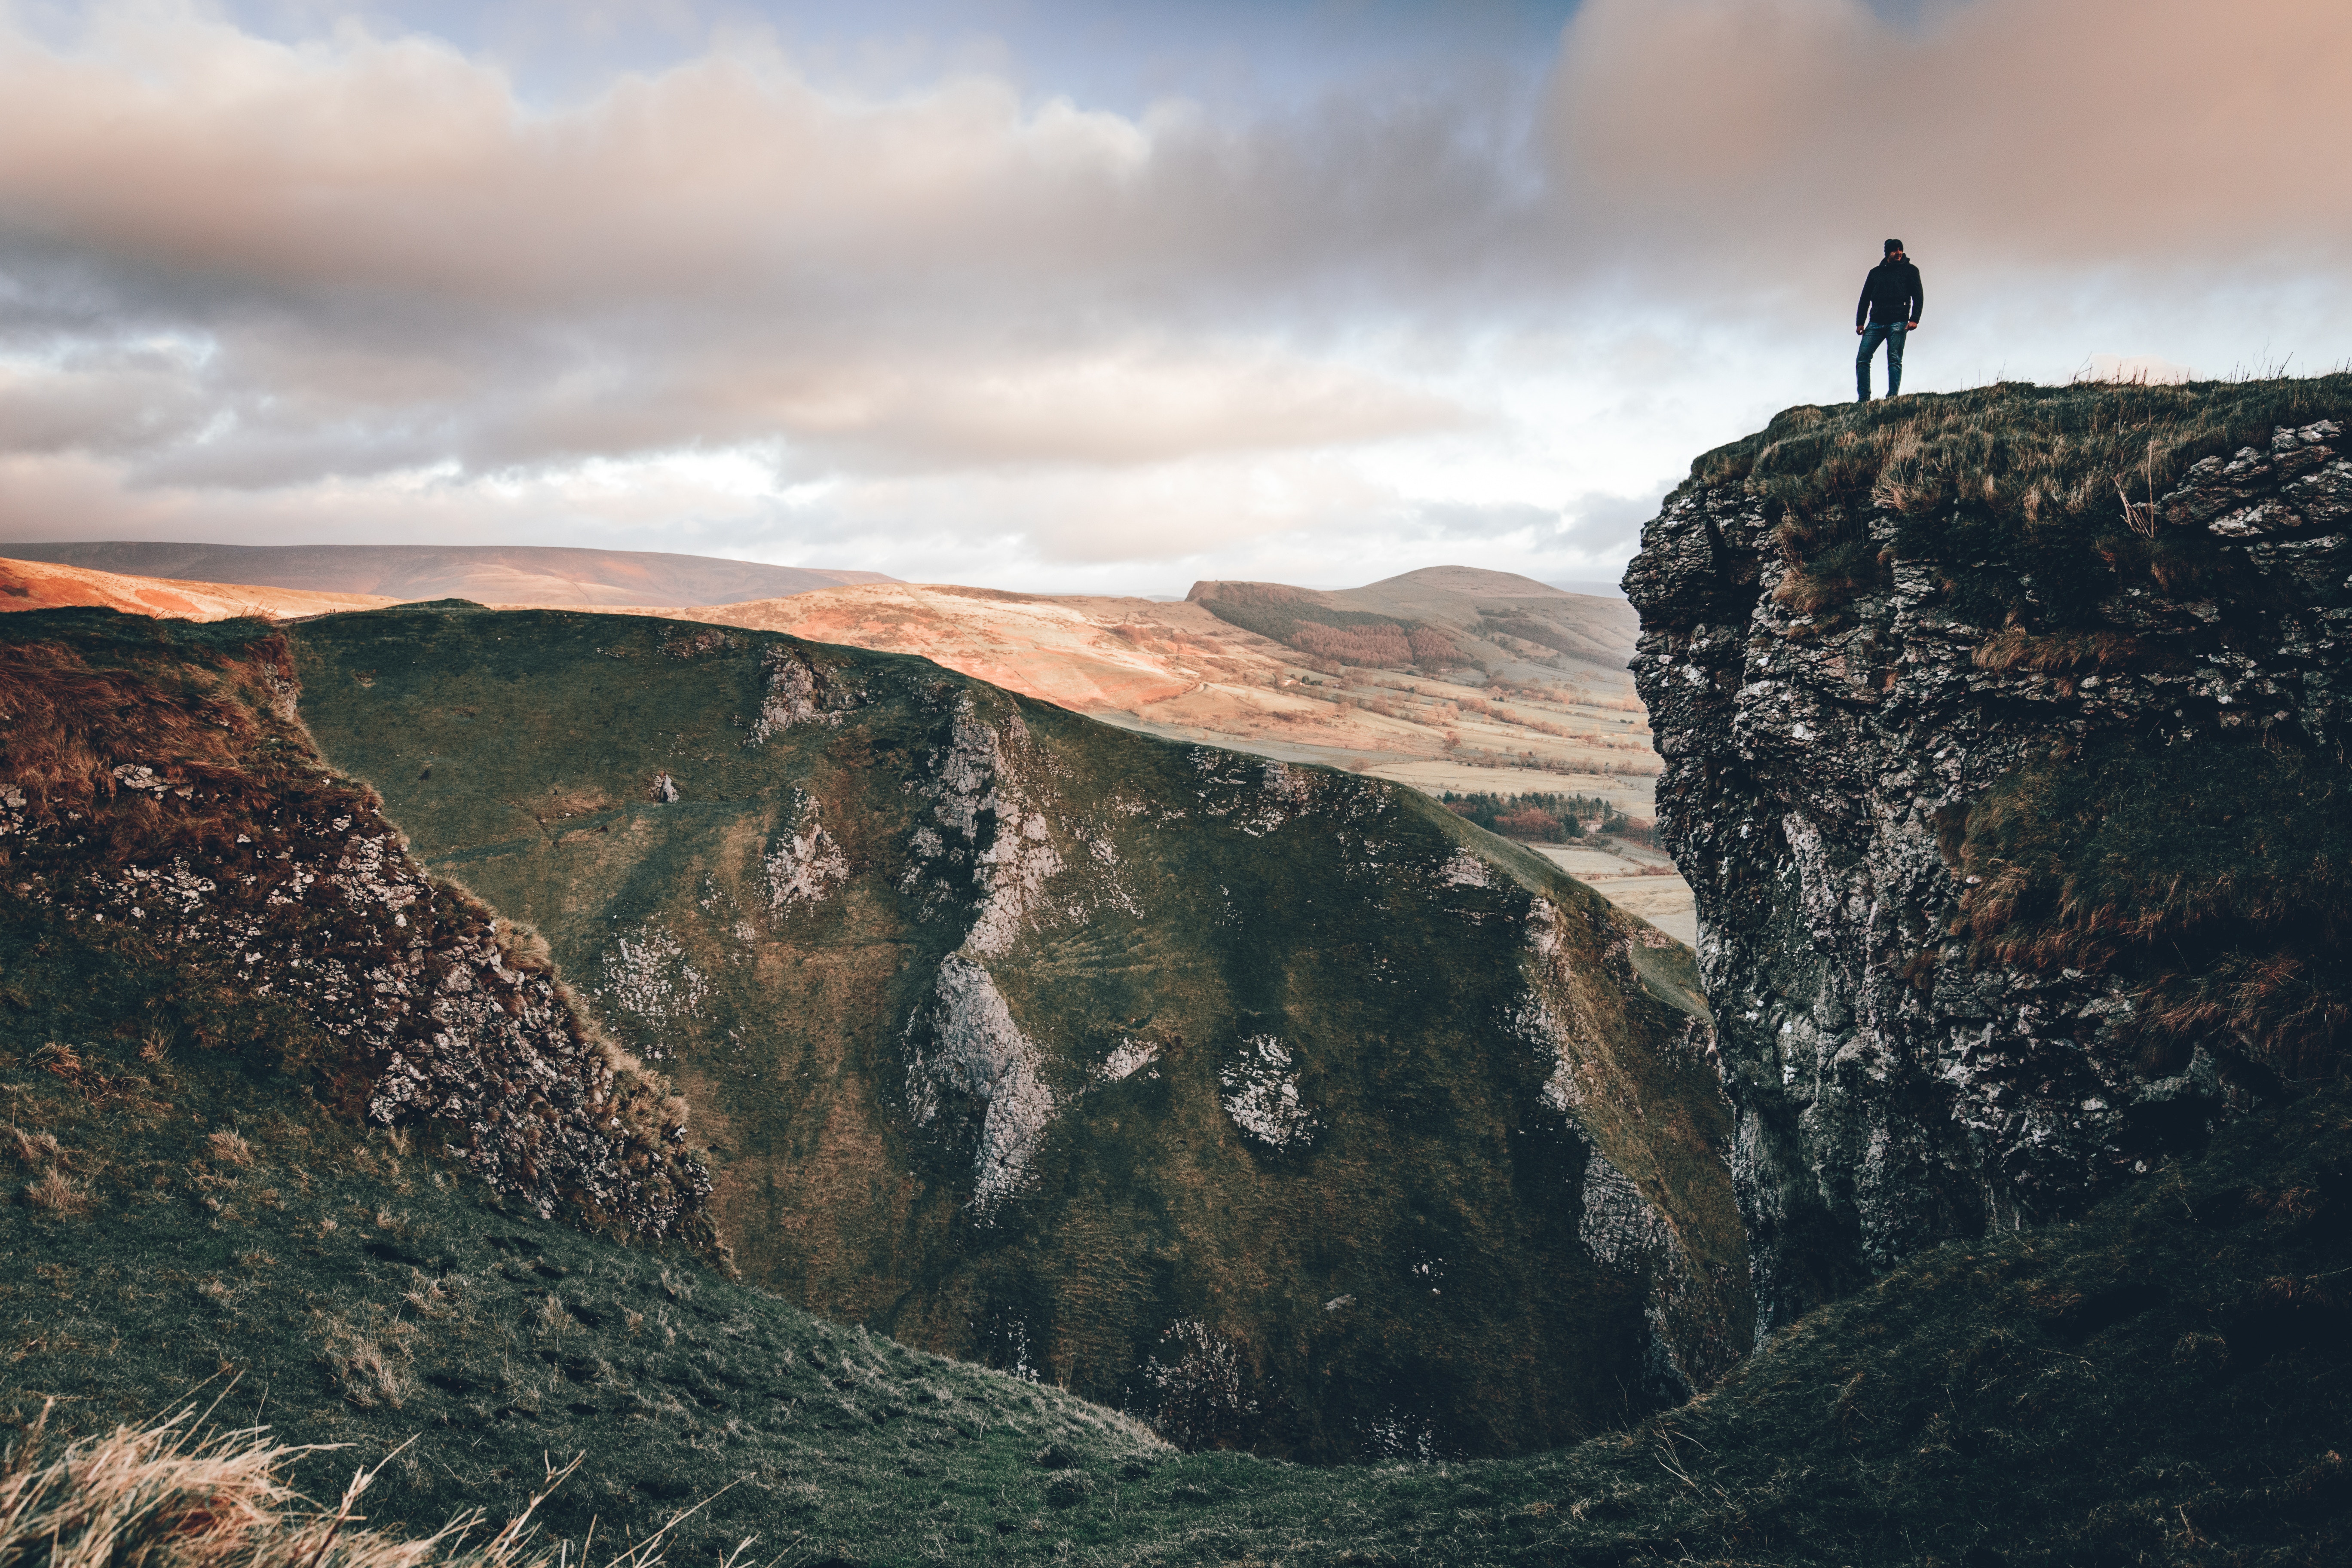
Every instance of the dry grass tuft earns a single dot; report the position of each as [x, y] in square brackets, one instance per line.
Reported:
[33, 1148]
[521, 948]
[230, 1149]
[429, 1298]
[166, 1497]
[2063, 653]
[366, 1371]
[57, 1195]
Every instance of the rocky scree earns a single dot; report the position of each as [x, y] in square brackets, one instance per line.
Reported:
[2014, 803]
[155, 787]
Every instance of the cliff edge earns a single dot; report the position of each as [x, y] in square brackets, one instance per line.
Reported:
[2004, 742]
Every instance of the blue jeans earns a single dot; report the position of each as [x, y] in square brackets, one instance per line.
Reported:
[1892, 336]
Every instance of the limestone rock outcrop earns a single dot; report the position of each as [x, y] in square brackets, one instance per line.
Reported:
[1826, 742]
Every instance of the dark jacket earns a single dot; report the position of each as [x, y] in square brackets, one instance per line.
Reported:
[1890, 294]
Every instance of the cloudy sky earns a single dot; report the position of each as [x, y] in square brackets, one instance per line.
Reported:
[1073, 297]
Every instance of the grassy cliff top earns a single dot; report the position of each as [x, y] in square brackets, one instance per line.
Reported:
[2041, 455]
[2034, 506]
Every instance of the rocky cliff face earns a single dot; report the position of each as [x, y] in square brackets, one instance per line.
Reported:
[1994, 762]
[156, 792]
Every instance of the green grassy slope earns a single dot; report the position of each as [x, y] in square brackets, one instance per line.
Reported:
[845, 928]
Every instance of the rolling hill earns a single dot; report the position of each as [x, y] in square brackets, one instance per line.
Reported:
[1439, 619]
[487, 573]
[44, 585]
[1178, 670]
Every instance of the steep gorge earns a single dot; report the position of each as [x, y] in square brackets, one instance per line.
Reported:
[1275, 1103]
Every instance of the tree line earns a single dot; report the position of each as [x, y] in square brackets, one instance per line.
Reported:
[1544, 819]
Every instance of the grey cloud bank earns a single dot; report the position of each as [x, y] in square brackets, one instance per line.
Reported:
[353, 290]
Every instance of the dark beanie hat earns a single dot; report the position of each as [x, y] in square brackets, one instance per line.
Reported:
[1891, 247]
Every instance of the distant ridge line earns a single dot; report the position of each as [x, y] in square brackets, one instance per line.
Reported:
[551, 576]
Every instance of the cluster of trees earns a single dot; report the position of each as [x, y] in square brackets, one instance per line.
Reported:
[1545, 818]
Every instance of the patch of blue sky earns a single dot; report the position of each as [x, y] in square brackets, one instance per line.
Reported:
[1117, 55]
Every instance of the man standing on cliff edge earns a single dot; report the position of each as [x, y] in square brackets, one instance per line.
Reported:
[1889, 307]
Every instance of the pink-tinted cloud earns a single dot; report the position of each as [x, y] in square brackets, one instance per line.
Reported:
[2042, 133]
[383, 249]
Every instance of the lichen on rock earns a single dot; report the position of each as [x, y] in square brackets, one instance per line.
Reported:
[977, 795]
[1130, 1058]
[647, 974]
[806, 865]
[798, 691]
[1464, 870]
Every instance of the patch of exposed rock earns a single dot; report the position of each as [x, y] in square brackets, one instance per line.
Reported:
[800, 690]
[968, 1056]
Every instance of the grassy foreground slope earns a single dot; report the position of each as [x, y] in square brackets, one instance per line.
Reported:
[2168, 1380]
[1276, 1103]
[189, 1220]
